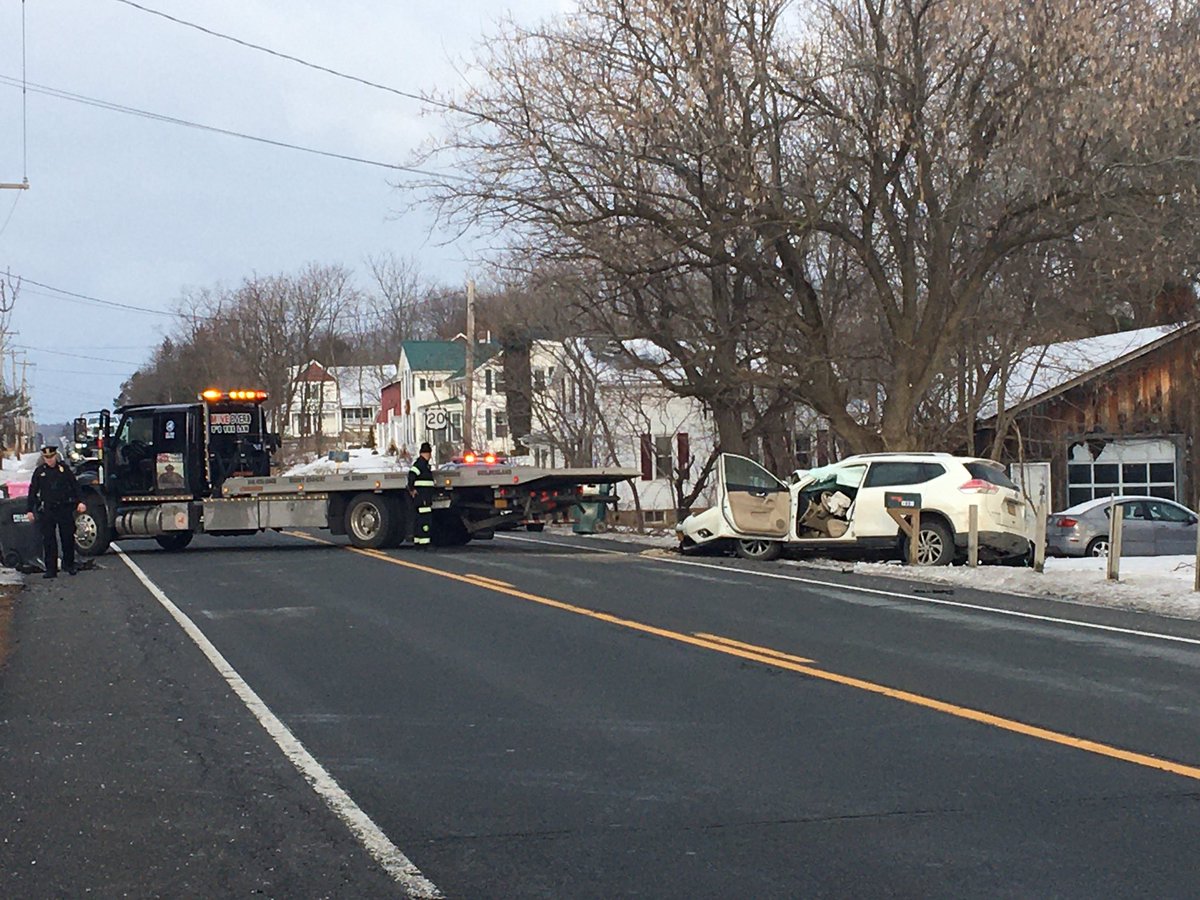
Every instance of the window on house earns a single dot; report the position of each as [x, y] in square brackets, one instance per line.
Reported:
[539, 380]
[501, 425]
[663, 458]
[424, 385]
[487, 424]
[487, 381]
[803, 451]
[499, 381]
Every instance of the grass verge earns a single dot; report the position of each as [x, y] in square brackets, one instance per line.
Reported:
[8, 603]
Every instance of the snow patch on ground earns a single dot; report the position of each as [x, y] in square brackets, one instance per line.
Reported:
[18, 468]
[1155, 584]
[1162, 585]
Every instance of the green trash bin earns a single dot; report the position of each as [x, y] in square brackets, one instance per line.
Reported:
[590, 513]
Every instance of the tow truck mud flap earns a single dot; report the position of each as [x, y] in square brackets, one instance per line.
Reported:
[253, 514]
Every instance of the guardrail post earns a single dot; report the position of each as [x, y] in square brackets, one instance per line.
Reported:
[1115, 519]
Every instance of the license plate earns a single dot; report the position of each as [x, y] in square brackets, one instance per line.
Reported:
[501, 503]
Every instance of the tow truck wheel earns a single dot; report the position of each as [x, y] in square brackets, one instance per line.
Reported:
[372, 521]
[174, 541]
[92, 534]
[758, 549]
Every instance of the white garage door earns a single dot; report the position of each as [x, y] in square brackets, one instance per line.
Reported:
[1121, 467]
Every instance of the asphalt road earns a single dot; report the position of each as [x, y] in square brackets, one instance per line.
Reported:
[565, 717]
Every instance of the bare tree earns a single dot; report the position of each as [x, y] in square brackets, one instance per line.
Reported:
[813, 203]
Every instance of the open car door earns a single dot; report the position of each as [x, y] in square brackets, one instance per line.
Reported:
[754, 503]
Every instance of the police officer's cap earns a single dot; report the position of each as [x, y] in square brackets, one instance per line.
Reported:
[425, 448]
[50, 448]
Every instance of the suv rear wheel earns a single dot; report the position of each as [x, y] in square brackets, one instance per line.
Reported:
[935, 544]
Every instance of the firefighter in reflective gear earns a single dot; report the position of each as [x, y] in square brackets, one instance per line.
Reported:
[420, 488]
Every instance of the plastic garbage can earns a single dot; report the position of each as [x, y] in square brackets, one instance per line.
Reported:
[20, 540]
[590, 513]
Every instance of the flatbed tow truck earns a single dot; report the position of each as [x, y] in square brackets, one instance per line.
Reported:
[171, 471]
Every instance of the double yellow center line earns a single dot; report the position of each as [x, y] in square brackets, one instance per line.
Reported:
[767, 656]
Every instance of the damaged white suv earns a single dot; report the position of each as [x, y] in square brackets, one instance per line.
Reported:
[841, 507]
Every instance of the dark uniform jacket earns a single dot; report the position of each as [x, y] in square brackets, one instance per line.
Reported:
[420, 474]
[52, 486]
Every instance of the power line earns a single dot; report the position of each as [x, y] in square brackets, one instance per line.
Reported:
[62, 294]
[12, 209]
[78, 371]
[119, 362]
[276, 53]
[173, 120]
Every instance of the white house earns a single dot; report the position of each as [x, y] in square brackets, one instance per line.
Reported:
[340, 402]
[598, 408]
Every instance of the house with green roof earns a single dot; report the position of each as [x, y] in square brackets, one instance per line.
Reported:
[425, 401]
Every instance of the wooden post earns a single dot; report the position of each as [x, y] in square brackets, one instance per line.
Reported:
[1116, 517]
[905, 510]
[1196, 586]
[973, 536]
[1039, 539]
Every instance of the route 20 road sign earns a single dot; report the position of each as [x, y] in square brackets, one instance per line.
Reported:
[436, 419]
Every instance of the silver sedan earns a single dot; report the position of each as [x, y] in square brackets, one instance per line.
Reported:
[1150, 526]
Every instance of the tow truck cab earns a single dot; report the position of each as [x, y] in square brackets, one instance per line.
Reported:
[159, 458]
[180, 449]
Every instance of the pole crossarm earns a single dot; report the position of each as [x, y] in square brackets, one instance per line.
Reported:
[14, 185]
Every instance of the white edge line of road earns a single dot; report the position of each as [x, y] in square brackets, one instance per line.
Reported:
[395, 863]
[1012, 613]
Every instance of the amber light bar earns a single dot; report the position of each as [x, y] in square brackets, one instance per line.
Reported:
[212, 395]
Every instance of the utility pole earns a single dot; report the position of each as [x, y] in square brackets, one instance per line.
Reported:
[24, 400]
[469, 398]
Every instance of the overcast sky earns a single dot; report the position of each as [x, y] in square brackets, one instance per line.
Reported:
[134, 211]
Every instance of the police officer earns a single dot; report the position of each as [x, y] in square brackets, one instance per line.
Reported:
[420, 488]
[53, 501]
